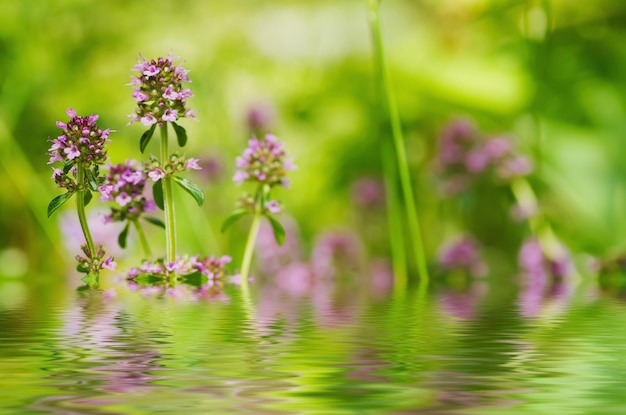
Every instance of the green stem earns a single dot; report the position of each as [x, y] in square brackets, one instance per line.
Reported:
[80, 207]
[168, 201]
[398, 139]
[539, 227]
[394, 215]
[142, 237]
[247, 256]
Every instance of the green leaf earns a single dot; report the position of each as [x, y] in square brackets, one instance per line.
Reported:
[91, 179]
[81, 268]
[234, 217]
[157, 193]
[155, 221]
[68, 166]
[87, 197]
[191, 188]
[181, 134]
[196, 279]
[57, 202]
[145, 138]
[279, 231]
[123, 236]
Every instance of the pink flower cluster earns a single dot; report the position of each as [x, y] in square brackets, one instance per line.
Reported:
[264, 161]
[212, 267]
[81, 142]
[464, 153]
[125, 185]
[89, 263]
[462, 254]
[175, 164]
[159, 92]
[536, 265]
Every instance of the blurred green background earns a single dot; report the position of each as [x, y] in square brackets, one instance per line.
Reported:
[551, 73]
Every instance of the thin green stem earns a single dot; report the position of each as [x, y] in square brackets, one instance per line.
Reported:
[394, 219]
[398, 139]
[247, 256]
[80, 207]
[539, 227]
[142, 238]
[168, 202]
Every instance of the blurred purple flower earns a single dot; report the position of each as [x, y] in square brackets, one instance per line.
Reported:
[336, 251]
[260, 117]
[462, 254]
[464, 153]
[368, 192]
[273, 257]
[295, 279]
[103, 234]
[539, 273]
[536, 264]
[212, 168]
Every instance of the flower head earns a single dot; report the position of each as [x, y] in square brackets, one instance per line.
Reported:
[264, 161]
[159, 92]
[94, 263]
[82, 141]
[464, 154]
[125, 184]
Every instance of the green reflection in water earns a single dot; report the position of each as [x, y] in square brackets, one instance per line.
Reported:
[319, 352]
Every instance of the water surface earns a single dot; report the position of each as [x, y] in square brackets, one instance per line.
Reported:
[322, 351]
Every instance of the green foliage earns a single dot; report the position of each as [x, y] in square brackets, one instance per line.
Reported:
[154, 221]
[157, 194]
[57, 202]
[146, 137]
[191, 188]
[123, 236]
[181, 134]
[234, 217]
[277, 228]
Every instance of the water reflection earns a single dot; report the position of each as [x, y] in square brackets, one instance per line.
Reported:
[308, 344]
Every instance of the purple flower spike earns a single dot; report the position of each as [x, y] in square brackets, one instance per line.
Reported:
[125, 184]
[264, 161]
[159, 91]
[82, 142]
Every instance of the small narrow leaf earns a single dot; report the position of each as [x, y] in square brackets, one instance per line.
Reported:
[279, 231]
[157, 193]
[181, 134]
[87, 197]
[234, 217]
[145, 138]
[57, 202]
[91, 179]
[68, 166]
[155, 221]
[191, 188]
[81, 268]
[123, 236]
